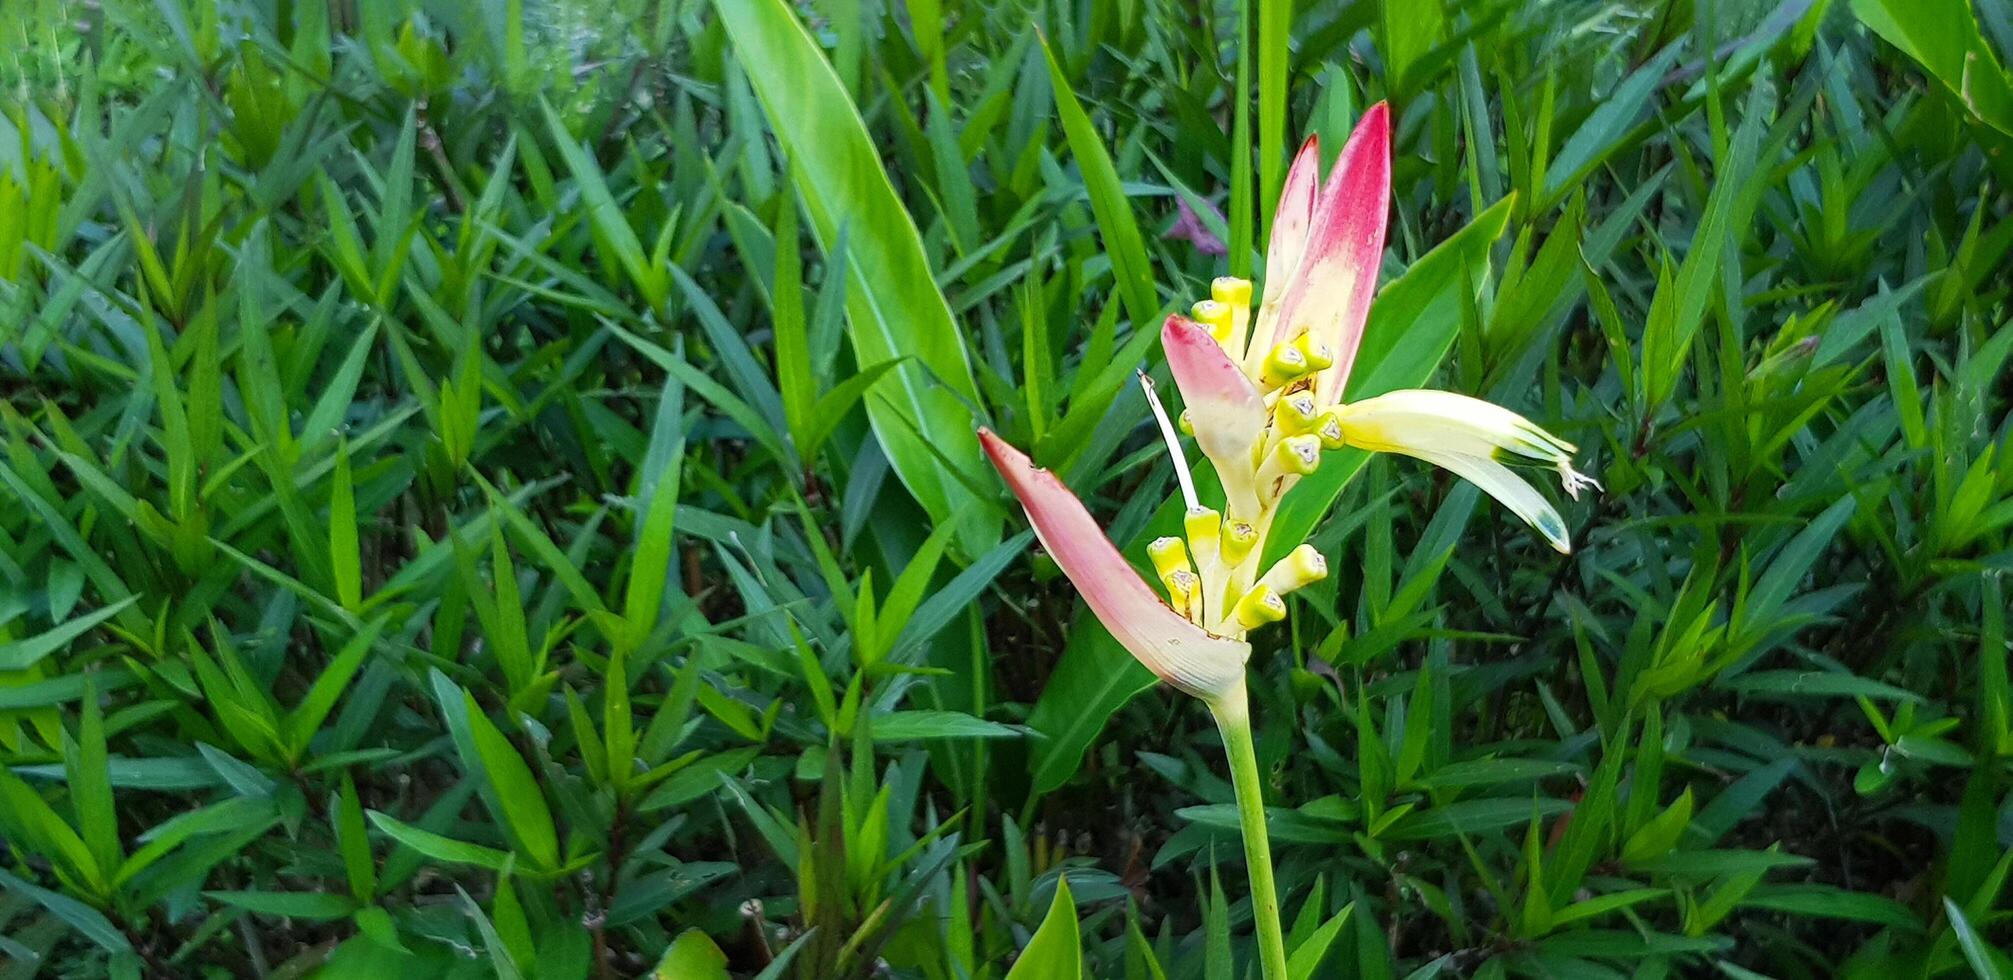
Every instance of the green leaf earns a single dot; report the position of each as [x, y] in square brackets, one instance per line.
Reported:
[650, 562]
[25, 653]
[90, 777]
[1607, 127]
[895, 309]
[359, 867]
[903, 726]
[1471, 817]
[1308, 956]
[29, 819]
[435, 846]
[344, 562]
[1122, 242]
[691, 956]
[520, 800]
[1275, 35]
[1943, 36]
[313, 906]
[1831, 902]
[1660, 834]
[1054, 951]
[307, 717]
[83, 918]
[1815, 683]
[1987, 962]
[611, 227]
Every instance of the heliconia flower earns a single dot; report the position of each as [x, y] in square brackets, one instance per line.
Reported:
[1264, 400]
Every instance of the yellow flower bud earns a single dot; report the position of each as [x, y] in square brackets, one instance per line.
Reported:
[1259, 606]
[1201, 523]
[1328, 428]
[1216, 316]
[1296, 413]
[1301, 567]
[1169, 554]
[1184, 590]
[1283, 366]
[1238, 538]
[1231, 291]
[1236, 294]
[1320, 356]
[1299, 455]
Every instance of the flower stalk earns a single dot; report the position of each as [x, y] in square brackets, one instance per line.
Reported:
[1233, 722]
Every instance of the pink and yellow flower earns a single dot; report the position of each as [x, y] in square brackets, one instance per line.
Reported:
[1263, 391]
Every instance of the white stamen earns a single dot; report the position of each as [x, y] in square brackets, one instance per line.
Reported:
[1575, 481]
[1173, 443]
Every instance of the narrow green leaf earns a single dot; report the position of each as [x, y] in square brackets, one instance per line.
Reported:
[1108, 200]
[435, 846]
[25, 653]
[344, 560]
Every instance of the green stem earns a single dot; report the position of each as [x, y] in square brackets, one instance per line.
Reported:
[1233, 719]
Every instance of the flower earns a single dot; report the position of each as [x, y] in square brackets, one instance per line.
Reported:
[1264, 400]
[1188, 227]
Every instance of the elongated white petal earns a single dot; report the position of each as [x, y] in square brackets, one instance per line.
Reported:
[1508, 488]
[1176, 650]
[1467, 435]
[1449, 421]
[1181, 472]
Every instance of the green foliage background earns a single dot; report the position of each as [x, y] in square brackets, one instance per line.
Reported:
[489, 489]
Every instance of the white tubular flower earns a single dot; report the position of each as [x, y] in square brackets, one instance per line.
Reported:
[1468, 436]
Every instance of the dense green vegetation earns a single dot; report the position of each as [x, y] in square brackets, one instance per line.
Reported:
[490, 489]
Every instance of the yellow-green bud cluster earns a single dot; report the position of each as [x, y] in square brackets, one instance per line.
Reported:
[1203, 525]
[1319, 356]
[1170, 562]
[1284, 364]
[1295, 456]
[1210, 572]
[1328, 428]
[1214, 315]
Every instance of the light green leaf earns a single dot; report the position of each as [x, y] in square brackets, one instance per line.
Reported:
[691, 956]
[1054, 951]
[25, 653]
[895, 309]
[313, 906]
[438, 847]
